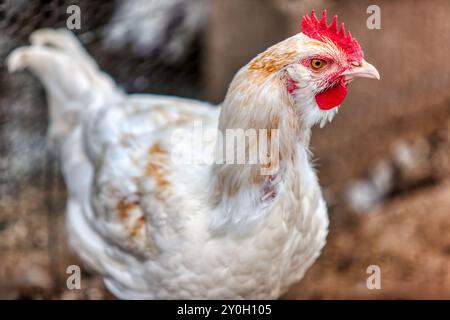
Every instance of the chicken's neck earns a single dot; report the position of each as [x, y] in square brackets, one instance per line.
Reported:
[264, 112]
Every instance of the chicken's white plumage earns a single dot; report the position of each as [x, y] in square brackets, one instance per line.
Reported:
[155, 229]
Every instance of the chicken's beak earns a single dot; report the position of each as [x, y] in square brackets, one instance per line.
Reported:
[364, 70]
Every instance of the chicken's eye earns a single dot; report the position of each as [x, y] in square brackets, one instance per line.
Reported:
[318, 64]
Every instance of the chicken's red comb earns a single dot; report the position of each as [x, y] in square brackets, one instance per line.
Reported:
[319, 30]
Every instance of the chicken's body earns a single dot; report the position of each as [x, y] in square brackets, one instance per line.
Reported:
[150, 237]
[155, 228]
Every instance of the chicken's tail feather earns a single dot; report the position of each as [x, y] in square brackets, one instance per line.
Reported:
[73, 81]
[64, 40]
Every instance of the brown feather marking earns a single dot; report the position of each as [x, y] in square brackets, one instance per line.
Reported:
[124, 207]
[271, 61]
[137, 226]
[156, 171]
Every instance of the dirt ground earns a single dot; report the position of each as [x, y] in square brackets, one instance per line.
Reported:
[408, 238]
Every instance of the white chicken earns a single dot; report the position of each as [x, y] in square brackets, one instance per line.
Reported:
[157, 228]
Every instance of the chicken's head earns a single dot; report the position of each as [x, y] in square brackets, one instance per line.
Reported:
[316, 66]
[312, 69]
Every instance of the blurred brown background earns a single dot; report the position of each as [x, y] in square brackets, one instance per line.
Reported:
[384, 162]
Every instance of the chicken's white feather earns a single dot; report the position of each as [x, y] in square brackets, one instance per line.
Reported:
[156, 229]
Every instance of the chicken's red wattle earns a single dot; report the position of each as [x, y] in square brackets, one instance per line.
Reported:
[332, 97]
